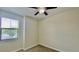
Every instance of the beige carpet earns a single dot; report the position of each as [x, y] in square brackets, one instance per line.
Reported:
[39, 48]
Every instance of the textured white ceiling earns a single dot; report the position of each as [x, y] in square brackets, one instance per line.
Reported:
[25, 11]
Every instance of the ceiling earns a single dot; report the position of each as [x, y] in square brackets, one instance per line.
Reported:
[25, 11]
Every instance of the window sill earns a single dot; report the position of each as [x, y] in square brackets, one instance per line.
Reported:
[8, 39]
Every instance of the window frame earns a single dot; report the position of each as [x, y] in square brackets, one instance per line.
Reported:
[9, 29]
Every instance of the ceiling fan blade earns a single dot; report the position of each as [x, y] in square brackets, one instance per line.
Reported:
[51, 8]
[36, 13]
[45, 13]
[33, 7]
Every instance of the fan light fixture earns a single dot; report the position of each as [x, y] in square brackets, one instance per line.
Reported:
[41, 10]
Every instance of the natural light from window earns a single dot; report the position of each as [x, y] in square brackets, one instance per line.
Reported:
[9, 28]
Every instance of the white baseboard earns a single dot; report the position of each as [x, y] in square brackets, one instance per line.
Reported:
[30, 46]
[16, 50]
[24, 48]
[36, 45]
[50, 47]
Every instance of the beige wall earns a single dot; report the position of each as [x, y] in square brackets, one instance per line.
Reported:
[31, 32]
[61, 31]
[12, 45]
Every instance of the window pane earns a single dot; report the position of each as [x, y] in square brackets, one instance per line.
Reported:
[14, 24]
[5, 23]
[8, 34]
[9, 23]
[9, 28]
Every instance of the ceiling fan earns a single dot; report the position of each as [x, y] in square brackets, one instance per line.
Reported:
[42, 10]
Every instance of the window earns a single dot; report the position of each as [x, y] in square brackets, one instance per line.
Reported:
[9, 28]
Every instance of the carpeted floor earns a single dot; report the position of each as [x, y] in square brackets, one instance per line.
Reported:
[39, 48]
